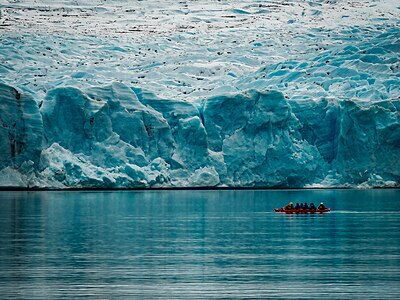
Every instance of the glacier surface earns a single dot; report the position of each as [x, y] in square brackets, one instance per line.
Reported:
[218, 95]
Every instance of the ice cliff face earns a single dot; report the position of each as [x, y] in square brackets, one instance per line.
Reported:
[118, 136]
[21, 134]
[199, 93]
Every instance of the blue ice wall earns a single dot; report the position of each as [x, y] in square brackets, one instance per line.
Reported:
[116, 136]
[332, 121]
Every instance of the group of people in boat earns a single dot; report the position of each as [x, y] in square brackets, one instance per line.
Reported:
[304, 206]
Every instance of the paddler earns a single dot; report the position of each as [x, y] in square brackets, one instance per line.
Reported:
[321, 206]
[289, 206]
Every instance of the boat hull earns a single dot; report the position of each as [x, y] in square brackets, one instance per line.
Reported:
[302, 211]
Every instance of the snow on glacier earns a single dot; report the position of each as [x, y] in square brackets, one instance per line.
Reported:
[199, 93]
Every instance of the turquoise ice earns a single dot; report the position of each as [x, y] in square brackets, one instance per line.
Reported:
[295, 102]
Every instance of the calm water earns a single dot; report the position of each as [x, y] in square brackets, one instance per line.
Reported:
[198, 244]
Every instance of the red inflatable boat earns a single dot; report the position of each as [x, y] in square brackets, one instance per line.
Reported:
[302, 211]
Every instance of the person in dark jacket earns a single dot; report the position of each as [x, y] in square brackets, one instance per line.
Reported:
[312, 206]
[321, 206]
[305, 206]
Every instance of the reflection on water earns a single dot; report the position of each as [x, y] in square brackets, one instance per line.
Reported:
[198, 244]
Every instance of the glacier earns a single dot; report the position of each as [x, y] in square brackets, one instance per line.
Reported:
[120, 136]
[269, 115]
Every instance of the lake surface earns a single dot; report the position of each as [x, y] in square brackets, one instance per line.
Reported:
[199, 244]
